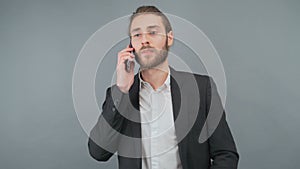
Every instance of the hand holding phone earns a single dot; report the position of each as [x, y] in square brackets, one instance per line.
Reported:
[125, 73]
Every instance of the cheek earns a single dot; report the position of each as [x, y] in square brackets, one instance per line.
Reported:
[162, 41]
[136, 46]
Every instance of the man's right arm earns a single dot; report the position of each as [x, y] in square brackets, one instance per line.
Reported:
[104, 137]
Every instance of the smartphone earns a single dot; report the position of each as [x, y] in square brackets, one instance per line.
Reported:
[127, 62]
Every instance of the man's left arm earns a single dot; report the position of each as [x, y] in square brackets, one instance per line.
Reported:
[223, 150]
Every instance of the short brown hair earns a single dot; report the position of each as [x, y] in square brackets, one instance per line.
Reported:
[152, 10]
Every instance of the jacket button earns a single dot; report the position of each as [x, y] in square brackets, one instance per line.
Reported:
[116, 102]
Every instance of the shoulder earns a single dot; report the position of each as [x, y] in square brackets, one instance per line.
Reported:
[201, 79]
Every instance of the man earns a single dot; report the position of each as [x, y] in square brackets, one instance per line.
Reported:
[153, 119]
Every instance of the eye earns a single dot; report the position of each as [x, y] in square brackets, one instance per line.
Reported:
[153, 32]
[137, 35]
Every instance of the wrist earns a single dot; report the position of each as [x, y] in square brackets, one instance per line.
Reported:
[123, 89]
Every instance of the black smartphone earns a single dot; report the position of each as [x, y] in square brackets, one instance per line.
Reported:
[127, 62]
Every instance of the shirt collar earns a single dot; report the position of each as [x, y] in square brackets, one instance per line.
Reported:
[144, 84]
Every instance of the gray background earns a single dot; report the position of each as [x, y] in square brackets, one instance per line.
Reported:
[258, 42]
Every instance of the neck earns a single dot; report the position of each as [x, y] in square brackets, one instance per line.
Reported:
[156, 76]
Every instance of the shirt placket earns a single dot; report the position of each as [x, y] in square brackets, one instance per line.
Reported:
[154, 130]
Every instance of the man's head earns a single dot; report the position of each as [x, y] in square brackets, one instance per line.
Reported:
[151, 35]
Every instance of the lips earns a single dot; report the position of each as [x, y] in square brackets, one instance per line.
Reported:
[146, 51]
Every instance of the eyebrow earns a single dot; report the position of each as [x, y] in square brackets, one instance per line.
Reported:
[148, 27]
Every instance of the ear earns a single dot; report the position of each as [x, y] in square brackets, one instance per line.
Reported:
[170, 37]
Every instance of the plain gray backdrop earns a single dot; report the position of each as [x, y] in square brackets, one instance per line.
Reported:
[257, 40]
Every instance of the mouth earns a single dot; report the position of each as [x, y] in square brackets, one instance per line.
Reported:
[146, 51]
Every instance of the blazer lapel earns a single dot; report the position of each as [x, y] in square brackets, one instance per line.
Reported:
[135, 125]
[134, 93]
[177, 83]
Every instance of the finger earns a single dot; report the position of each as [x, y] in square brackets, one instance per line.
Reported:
[126, 58]
[128, 49]
[120, 54]
[126, 55]
[122, 60]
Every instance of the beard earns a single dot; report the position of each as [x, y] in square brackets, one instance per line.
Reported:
[152, 60]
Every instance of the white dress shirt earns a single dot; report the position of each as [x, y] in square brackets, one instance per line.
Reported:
[158, 131]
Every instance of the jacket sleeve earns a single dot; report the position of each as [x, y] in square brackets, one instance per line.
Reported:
[104, 137]
[222, 147]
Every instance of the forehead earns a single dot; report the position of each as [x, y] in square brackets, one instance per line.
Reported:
[143, 21]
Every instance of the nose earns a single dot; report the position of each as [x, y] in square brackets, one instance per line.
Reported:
[145, 40]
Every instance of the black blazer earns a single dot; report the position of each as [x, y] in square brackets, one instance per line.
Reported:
[192, 98]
